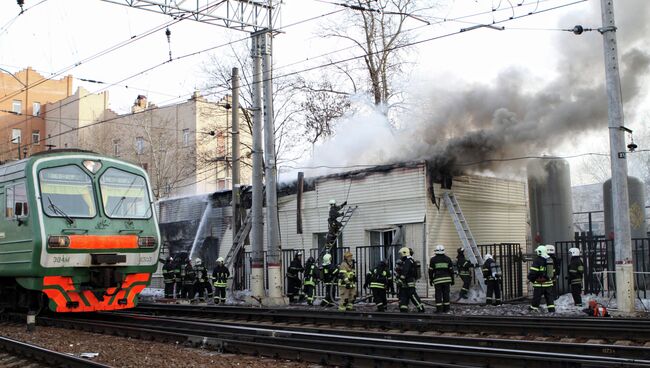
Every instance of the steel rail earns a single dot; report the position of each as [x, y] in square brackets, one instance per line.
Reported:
[47, 357]
[583, 327]
[393, 349]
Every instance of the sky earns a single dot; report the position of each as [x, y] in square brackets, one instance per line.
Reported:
[524, 64]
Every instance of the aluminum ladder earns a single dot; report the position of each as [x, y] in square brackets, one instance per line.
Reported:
[238, 241]
[465, 235]
[344, 221]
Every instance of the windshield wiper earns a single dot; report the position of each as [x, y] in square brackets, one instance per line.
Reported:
[117, 206]
[56, 209]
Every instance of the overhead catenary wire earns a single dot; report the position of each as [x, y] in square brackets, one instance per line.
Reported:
[311, 68]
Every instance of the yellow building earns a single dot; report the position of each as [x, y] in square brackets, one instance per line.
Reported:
[22, 122]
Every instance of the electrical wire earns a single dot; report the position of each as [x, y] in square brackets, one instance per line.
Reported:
[310, 68]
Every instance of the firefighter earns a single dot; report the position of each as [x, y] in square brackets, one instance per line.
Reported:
[293, 277]
[347, 283]
[464, 268]
[380, 282]
[311, 278]
[178, 276]
[169, 277]
[550, 250]
[202, 284]
[407, 277]
[335, 212]
[220, 276]
[541, 275]
[188, 277]
[576, 269]
[492, 275]
[329, 276]
[441, 276]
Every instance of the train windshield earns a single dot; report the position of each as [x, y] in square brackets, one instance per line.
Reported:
[67, 191]
[124, 195]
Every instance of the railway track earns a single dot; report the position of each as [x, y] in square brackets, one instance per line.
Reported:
[584, 328]
[356, 347]
[14, 353]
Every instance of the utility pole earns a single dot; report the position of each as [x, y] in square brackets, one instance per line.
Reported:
[257, 229]
[236, 221]
[273, 227]
[620, 199]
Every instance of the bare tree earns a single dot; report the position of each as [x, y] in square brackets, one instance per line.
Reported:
[285, 111]
[321, 107]
[378, 29]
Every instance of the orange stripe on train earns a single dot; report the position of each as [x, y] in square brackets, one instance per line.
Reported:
[103, 241]
[95, 305]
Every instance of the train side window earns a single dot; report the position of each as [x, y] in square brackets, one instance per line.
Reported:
[9, 202]
[16, 201]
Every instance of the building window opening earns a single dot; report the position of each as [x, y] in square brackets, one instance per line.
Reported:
[36, 108]
[139, 145]
[36, 136]
[186, 137]
[17, 106]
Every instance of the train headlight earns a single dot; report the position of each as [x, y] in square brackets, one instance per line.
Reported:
[92, 166]
[146, 242]
[56, 241]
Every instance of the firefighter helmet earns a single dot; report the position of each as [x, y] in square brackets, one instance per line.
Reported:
[332, 202]
[541, 251]
[575, 252]
[197, 261]
[404, 252]
[348, 255]
[461, 250]
[488, 256]
[550, 249]
[327, 259]
[440, 249]
[220, 259]
[310, 260]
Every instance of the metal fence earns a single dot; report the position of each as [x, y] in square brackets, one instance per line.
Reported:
[598, 257]
[510, 258]
[368, 257]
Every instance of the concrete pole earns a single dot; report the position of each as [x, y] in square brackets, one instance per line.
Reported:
[272, 225]
[620, 200]
[236, 221]
[257, 230]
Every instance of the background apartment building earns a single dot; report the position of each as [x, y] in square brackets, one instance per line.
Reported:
[22, 122]
[185, 147]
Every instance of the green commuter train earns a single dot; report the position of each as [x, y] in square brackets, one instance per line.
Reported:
[78, 232]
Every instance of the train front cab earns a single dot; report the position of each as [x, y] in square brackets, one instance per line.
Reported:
[98, 231]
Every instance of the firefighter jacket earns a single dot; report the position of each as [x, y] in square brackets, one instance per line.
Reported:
[539, 273]
[556, 266]
[201, 273]
[220, 276]
[295, 268]
[441, 270]
[178, 271]
[169, 274]
[311, 274]
[407, 273]
[330, 274]
[576, 269]
[188, 274]
[380, 278]
[335, 212]
[464, 266]
[491, 270]
[347, 275]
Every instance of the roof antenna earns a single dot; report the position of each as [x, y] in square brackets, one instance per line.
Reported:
[168, 33]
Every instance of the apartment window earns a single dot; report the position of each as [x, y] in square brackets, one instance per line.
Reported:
[381, 241]
[139, 145]
[16, 136]
[186, 137]
[36, 108]
[116, 147]
[221, 144]
[17, 106]
[36, 136]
